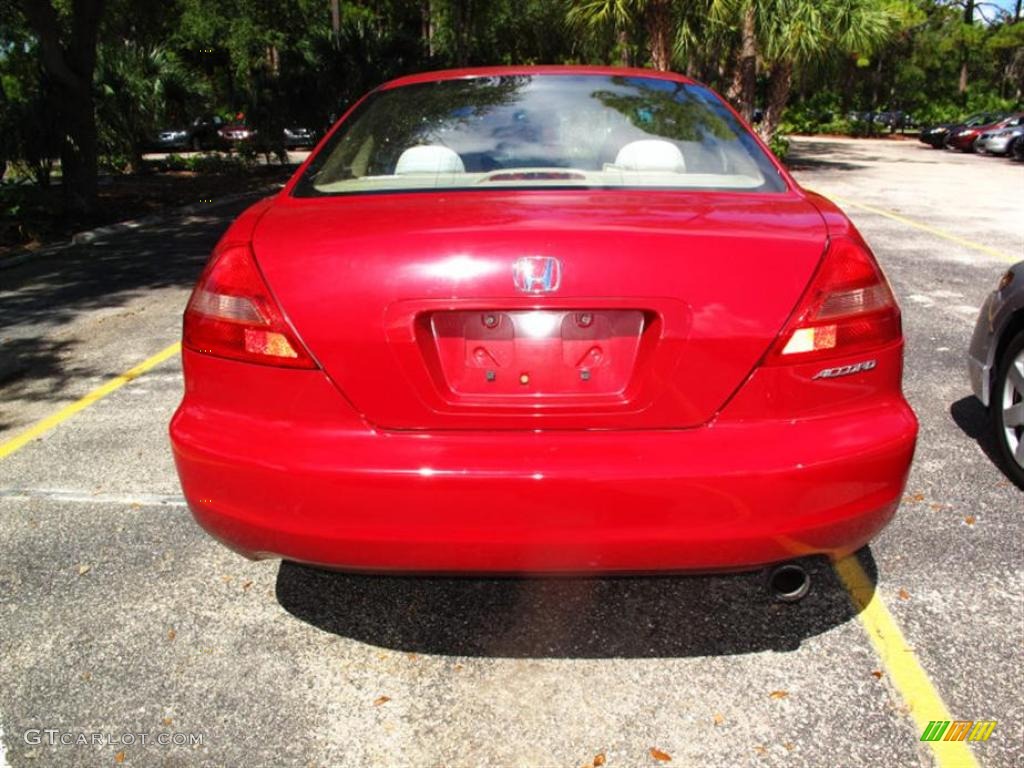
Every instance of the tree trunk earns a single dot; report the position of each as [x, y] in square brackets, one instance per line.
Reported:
[427, 29]
[964, 53]
[625, 48]
[876, 84]
[780, 83]
[658, 20]
[336, 22]
[79, 156]
[70, 66]
[462, 20]
[846, 92]
[743, 88]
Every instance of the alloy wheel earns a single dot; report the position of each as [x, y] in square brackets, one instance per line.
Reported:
[1011, 401]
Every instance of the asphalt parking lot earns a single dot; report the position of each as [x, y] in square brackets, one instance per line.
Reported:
[118, 616]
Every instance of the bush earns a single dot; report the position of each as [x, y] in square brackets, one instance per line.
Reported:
[779, 145]
[209, 163]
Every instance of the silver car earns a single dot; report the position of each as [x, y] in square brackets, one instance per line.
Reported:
[996, 364]
[999, 142]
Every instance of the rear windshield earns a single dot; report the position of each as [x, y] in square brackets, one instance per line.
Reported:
[587, 131]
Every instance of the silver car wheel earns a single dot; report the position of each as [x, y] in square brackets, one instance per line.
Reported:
[1012, 403]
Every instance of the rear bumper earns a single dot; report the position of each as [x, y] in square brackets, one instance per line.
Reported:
[721, 497]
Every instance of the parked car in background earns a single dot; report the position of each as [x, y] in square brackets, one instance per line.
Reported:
[531, 320]
[996, 365]
[200, 135]
[935, 135]
[999, 142]
[895, 120]
[171, 139]
[205, 132]
[296, 136]
[962, 139]
[235, 133]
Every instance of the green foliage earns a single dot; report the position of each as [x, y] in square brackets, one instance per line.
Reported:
[137, 88]
[779, 145]
[279, 62]
[208, 163]
[813, 114]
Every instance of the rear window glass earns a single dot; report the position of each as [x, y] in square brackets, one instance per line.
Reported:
[587, 131]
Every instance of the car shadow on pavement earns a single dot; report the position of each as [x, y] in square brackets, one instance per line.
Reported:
[622, 617]
[970, 415]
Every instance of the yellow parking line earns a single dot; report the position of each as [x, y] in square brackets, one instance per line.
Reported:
[901, 665]
[926, 228]
[44, 426]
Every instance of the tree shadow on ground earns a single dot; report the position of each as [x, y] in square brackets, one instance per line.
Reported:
[621, 617]
[823, 156]
[808, 156]
[39, 297]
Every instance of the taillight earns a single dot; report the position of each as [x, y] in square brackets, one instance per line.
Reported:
[232, 314]
[847, 309]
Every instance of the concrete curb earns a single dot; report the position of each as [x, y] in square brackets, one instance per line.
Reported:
[92, 235]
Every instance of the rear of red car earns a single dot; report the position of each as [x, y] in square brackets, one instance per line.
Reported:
[630, 363]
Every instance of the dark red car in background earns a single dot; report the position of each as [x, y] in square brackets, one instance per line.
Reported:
[543, 320]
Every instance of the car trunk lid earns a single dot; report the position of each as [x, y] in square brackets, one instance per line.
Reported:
[656, 308]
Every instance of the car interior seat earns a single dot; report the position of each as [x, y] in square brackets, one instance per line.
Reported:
[429, 158]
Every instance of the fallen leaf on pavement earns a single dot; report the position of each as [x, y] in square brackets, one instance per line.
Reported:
[168, 721]
[599, 760]
[761, 750]
[903, 594]
[119, 758]
[661, 757]
[381, 700]
[877, 674]
[84, 569]
[970, 519]
[719, 719]
[779, 694]
[171, 634]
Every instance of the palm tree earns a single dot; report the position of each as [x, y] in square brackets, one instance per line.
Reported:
[657, 17]
[783, 36]
[800, 34]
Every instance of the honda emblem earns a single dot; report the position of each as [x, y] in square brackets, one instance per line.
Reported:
[537, 274]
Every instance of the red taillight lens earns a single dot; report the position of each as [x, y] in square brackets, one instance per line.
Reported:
[232, 314]
[848, 308]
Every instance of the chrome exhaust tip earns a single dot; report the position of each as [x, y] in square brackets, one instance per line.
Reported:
[789, 583]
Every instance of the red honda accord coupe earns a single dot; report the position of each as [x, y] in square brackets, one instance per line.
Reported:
[543, 320]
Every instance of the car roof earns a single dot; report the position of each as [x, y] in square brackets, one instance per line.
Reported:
[458, 74]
